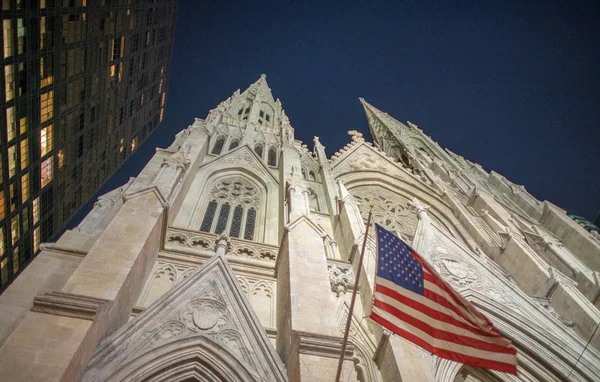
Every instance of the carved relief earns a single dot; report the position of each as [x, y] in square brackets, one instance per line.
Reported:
[390, 210]
[456, 273]
[341, 277]
[238, 247]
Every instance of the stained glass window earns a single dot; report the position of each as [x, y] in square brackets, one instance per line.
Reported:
[236, 224]
[272, 157]
[223, 216]
[250, 221]
[259, 150]
[233, 144]
[209, 215]
[218, 146]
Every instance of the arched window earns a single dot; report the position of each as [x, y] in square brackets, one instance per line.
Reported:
[235, 143]
[311, 175]
[303, 173]
[313, 200]
[259, 150]
[250, 222]
[218, 146]
[272, 157]
[236, 200]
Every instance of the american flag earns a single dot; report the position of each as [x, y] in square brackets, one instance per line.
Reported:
[412, 301]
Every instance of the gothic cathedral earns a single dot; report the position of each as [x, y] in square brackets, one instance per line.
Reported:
[232, 255]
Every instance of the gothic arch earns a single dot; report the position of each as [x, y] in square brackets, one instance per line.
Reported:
[409, 189]
[254, 207]
[195, 358]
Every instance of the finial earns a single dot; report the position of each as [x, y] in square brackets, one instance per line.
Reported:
[263, 76]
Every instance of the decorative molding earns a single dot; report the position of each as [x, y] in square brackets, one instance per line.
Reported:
[68, 305]
[207, 241]
[341, 277]
[322, 345]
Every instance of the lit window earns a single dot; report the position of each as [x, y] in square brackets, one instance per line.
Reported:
[12, 161]
[12, 193]
[142, 99]
[162, 114]
[61, 158]
[2, 206]
[162, 101]
[4, 270]
[21, 35]
[42, 30]
[10, 123]
[23, 125]
[24, 188]
[15, 260]
[14, 229]
[121, 148]
[8, 42]
[46, 71]
[6, 5]
[46, 140]
[35, 212]
[24, 154]
[112, 70]
[9, 82]
[133, 141]
[46, 106]
[46, 172]
[36, 239]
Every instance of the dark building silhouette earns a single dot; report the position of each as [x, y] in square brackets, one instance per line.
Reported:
[84, 83]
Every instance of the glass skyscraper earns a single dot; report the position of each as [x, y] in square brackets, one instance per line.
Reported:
[84, 83]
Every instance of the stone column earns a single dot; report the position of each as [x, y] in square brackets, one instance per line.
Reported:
[308, 336]
[423, 226]
[222, 245]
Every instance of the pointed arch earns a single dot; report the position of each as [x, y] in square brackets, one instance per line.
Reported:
[234, 143]
[312, 176]
[218, 146]
[272, 157]
[191, 358]
[258, 149]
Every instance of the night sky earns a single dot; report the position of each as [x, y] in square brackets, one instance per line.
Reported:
[514, 86]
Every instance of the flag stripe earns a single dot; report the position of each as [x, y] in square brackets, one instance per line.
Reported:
[427, 315]
[441, 344]
[506, 367]
[412, 300]
[438, 330]
[441, 296]
[427, 307]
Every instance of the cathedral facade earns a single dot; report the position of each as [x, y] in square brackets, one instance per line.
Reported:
[232, 255]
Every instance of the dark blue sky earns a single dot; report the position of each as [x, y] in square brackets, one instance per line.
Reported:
[514, 86]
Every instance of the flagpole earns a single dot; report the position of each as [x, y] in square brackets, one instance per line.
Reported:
[353, 300]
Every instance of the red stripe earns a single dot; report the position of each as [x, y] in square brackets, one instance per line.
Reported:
[458, 357]
[441, 334]
[433, 313]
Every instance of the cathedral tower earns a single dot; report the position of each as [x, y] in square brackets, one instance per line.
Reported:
[232, 256]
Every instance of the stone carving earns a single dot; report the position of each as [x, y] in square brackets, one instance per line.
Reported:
[235, 190]
[206, 315]
[390, 210]
[456, 273]
[238, 247]
[341, 277]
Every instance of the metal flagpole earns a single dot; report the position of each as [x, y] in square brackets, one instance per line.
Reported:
[353, 300]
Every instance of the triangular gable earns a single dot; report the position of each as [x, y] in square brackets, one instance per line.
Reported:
[363, 157]
[242, 156]
[208, 310]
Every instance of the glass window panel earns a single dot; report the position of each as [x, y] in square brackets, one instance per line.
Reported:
[209, 215]
[236, 223]
[9, 82]
[272, 157]
[12, 161]
[2, 206]
[259, 150]
[10, 123]
[233, 144]
[46, 173]
[218, 146]
[223, 217]
[250, 222]
[14, 229]
[46, 140]
[35, 212]
[24, 154]
[8, 38]
[25, 188]
[46, 106]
